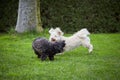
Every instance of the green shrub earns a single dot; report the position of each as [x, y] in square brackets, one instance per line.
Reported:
[72, 15]
[8, 14]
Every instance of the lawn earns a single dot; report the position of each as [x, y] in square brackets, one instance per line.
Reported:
[18, 61]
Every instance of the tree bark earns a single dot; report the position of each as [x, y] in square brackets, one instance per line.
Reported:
[28, 16]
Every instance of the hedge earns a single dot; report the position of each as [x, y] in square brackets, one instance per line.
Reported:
[98, 16]
[72, 15]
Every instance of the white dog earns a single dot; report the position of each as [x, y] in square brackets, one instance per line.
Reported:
[80, 38]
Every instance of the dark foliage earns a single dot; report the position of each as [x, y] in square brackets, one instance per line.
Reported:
[71, 15]
[8, 14]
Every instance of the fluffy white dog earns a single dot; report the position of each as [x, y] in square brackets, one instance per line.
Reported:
[80, 38]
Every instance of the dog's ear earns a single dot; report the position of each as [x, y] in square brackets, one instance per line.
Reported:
[59, 32]
[51, 30]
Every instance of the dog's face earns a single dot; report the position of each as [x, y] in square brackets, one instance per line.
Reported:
[55, 34]
[59, 46]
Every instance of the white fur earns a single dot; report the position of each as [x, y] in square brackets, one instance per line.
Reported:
[80, 38]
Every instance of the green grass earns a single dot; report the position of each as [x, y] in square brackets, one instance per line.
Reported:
[18, 61]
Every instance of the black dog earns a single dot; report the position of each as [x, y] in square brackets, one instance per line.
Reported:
[44, 48]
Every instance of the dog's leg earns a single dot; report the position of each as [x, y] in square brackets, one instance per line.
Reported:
[51, 57]
[90, 48]
[86, 43]
[37, 53]
[43, 56]
[39, 56]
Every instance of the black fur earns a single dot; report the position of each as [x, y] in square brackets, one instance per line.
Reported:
[43, 48]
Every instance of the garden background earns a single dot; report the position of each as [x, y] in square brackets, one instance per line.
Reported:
[98, 16]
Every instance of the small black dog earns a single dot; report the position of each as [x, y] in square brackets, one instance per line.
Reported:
[44, 48]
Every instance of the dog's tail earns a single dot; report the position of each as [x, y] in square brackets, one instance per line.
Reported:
[83, 33]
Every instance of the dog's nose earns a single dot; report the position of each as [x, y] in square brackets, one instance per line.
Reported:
[52, 39]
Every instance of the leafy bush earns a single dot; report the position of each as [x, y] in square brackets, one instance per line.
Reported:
[72, 15]
[8, 14]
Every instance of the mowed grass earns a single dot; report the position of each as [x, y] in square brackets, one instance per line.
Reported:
[18, 61]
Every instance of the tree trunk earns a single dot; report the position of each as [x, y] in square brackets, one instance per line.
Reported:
[29, 16]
